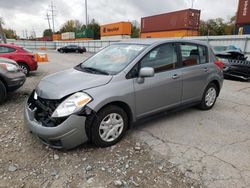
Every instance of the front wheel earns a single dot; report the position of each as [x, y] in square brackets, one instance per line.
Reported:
[209, 97]
[109, 126]
[24, 68]
[3, 92]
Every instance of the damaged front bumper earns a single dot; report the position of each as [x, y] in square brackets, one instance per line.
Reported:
[67, 135]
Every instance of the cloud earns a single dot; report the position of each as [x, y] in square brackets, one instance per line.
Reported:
[30, 14]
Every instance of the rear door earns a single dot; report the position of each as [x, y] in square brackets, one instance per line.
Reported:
[165, 88]
[195, 71]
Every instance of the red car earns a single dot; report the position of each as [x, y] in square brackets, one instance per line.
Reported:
[24, 58]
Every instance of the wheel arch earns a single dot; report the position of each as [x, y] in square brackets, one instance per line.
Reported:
[4, 82]
[123, 106]
[217, 84]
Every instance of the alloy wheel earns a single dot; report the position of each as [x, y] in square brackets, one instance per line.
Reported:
[210, 97]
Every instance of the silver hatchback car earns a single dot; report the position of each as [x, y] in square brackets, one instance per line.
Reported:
[99, 99]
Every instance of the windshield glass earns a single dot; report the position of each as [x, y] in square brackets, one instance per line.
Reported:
[112, 59]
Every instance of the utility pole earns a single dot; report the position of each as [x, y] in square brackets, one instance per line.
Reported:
[48, 18]
[86, 12]
[192, 6]
[2, 34]
[52, 9]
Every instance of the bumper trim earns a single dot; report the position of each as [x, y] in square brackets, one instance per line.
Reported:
[71, 133]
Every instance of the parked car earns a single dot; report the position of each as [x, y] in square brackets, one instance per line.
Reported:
[99, 99]
[72, 48]
[24, 58]
[11, 77]
[235, 62]
[229, 52]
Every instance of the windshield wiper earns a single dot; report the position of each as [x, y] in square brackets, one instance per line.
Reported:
[94, 70]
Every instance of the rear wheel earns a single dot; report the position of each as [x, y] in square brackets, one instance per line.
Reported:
[24, 68]
[109, 126]
[209, 97]
[3, 92]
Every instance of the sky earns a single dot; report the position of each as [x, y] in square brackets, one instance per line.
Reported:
[30, 15]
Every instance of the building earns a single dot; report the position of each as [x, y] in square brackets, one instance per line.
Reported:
[116, 31]
[174, 24]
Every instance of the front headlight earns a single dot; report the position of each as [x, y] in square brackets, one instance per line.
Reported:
[10, 67]
[72, 104]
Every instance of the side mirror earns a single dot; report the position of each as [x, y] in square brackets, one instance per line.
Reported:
[146, 72]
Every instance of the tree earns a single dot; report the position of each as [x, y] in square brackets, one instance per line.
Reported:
[212, 27]
[10, 33]
[71, 26]
[135, 31]
[95, 27]
[47, 33]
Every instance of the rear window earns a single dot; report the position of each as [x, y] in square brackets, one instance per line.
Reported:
[4, 49]
[193, 54]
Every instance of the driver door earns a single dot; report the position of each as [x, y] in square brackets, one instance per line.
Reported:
[164, 90]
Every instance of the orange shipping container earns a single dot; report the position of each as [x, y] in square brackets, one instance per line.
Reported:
[57, 37]
[120, 28]
[166, 34]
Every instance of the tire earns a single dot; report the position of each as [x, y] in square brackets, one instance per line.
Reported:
[77, 51]
[61, 51]
[25, 68]
[107, 114]
[3, 92]
[207, 102]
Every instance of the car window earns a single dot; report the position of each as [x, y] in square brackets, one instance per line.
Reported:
[203, 54]
[161, 58]
[113, 58]
[190, 55]
[4, 49]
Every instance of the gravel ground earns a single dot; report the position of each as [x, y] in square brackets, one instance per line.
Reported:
[25, 162]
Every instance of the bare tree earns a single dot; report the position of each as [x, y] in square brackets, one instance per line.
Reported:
[1, 30]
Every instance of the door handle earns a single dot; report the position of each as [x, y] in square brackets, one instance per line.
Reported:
[175, 76]
[206, 69]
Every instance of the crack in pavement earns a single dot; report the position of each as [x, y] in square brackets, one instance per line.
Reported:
[205, 154]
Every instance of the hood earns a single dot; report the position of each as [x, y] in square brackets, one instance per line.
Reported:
[61, 84]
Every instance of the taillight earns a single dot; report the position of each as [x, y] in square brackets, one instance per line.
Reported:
[219, 64]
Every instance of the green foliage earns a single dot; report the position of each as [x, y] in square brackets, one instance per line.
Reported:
[135, 32]
[217, 27]
[10, 33]
[71, 26]
[95, 27]
[47, 33]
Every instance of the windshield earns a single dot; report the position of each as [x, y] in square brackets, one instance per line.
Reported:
[113, 59]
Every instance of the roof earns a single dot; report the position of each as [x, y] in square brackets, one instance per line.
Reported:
[155, 41]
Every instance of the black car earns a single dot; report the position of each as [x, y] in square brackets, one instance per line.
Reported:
[11, 77]
[236, 69]
[229, 52]
[235, 62]
[72, 48]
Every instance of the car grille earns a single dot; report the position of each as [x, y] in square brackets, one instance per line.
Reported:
[44, 109]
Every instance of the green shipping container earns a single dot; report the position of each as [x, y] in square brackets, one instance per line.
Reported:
[85, 33]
